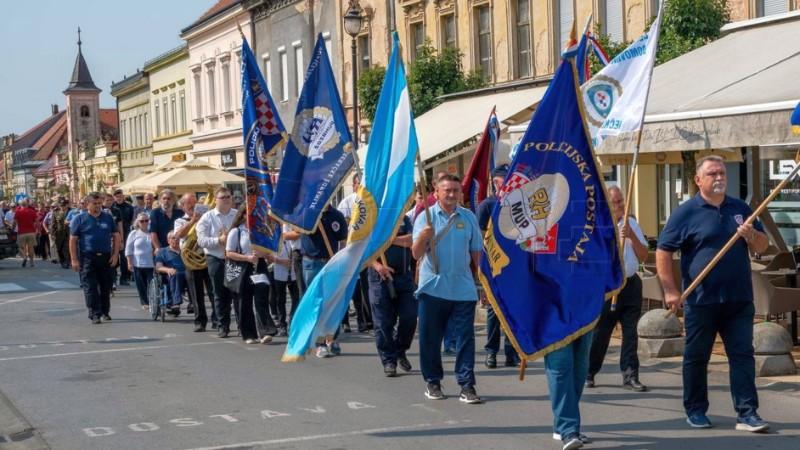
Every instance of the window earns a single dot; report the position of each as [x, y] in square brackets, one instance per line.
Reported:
[524, 59]
[144, 125]
[268, 72]
[124, 141]
[484, 19]
[183, 110]
[198, 99]
[449, 31]
[130, 132]
[417, 39]
[284, 75]
[212, 101]
[363, 52]
[173, 108]
[226, 88]
[299, 73]
[166, 116]
[612, 23]
[157, 118]
[84, 111]
[770, 7]
[565, 15]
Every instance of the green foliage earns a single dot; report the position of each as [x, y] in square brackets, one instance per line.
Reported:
[369, 90]
[433, 74]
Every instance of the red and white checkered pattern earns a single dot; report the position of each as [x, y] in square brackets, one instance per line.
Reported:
[265, 116]
[516, 181]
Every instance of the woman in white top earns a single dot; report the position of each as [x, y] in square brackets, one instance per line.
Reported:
[285, 277]
[139, 253]
[251, 304]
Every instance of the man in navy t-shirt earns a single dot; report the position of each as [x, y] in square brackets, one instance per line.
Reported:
[723, 302]
[94, 244]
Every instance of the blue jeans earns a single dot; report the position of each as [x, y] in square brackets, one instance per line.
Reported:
[434, 315]
[177, 285]
[566, 370]
[734, 322]
[493, 333]
[450, 338]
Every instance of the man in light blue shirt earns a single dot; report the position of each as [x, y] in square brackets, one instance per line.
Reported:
[447, 290]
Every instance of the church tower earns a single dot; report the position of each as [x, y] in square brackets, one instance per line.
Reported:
[83, 111]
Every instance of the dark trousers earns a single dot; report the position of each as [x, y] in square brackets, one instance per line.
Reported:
[243, 303]
[97, 277]
[142, 277]
[222, 296]
[199, 284]
[734, 323]
[395, 319]
[62, 250]
[125, 271]
[493, 333]
[629, 309]
[434, 314]
[280, 300]
[262, 292]
[361, 303]
[42, 245]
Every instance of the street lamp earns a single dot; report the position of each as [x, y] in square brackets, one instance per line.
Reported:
[352, 25]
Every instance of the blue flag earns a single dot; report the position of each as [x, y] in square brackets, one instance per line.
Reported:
[383, 198]
[263, 134]
[319, 153]
[551, 251]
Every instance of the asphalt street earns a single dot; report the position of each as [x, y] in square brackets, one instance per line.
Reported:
[134, 383]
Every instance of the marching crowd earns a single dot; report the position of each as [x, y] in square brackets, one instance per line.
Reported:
[423, 284]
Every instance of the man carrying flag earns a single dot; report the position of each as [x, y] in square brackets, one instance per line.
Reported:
[551, 251]
[383, 198]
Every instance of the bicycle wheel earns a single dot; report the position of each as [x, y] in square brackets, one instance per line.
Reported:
[154, 297]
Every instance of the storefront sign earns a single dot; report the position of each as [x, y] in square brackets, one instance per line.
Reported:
[778, 170]
[228, 158]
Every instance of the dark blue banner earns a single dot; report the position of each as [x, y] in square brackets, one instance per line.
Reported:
[319, 153]
[263, 134]
[551, 252]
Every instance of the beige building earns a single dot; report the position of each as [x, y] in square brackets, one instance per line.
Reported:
[170, 106]
[133, 104]
[213, 77]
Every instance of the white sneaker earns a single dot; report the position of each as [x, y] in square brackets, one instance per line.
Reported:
[250, 341]
[583, 438]
[322, 352]
[265, 340]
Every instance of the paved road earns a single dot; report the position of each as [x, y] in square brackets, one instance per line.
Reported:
[134, 383]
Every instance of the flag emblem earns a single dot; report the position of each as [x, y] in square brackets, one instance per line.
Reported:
[739, 219]
[529, 214]
[315, 132]
[265, 117]
[602, 92]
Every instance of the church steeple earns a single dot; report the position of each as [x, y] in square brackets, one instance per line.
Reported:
[81, 78]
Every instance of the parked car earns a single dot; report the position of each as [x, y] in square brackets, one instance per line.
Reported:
[8, 242]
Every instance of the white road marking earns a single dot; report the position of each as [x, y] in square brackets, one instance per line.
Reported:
[332, 435]
[59, 284]
[110, 350]
[11, 287]
[16, 300]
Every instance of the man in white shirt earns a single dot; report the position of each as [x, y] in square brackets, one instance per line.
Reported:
[212, 234]
[629, 303]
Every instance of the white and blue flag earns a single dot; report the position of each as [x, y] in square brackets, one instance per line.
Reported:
[616, 96]
[383, 198]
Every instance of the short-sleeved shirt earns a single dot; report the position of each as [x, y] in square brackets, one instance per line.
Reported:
[73, 213]
[699, 230]
[125, 212]
[161, 225]
[400, 258]
[484, 212]
[94, 233]
[139, 248]
[630, 258]
[454, 280]
[26, 220]
[335, 225]
[239, 241]
[170, 259]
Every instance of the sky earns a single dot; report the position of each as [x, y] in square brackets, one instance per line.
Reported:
[38, 40]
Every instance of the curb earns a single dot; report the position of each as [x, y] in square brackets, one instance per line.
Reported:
[16, 433]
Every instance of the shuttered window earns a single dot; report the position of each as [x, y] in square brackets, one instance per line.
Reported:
[772, 7]
[612, 24]
[566, 13]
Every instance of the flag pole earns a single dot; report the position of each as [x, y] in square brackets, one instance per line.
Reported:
[696, 282]
[635, 160]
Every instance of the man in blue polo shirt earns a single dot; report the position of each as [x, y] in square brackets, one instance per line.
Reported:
[162, 219]
[94, 249]
[723, 302]
[446, 287]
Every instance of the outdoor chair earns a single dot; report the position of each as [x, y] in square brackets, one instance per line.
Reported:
[772, 296]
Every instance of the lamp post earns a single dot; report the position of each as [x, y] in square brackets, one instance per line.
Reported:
[352, 25]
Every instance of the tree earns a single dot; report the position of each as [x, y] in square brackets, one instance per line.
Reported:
[369, 89]
[433, 74]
